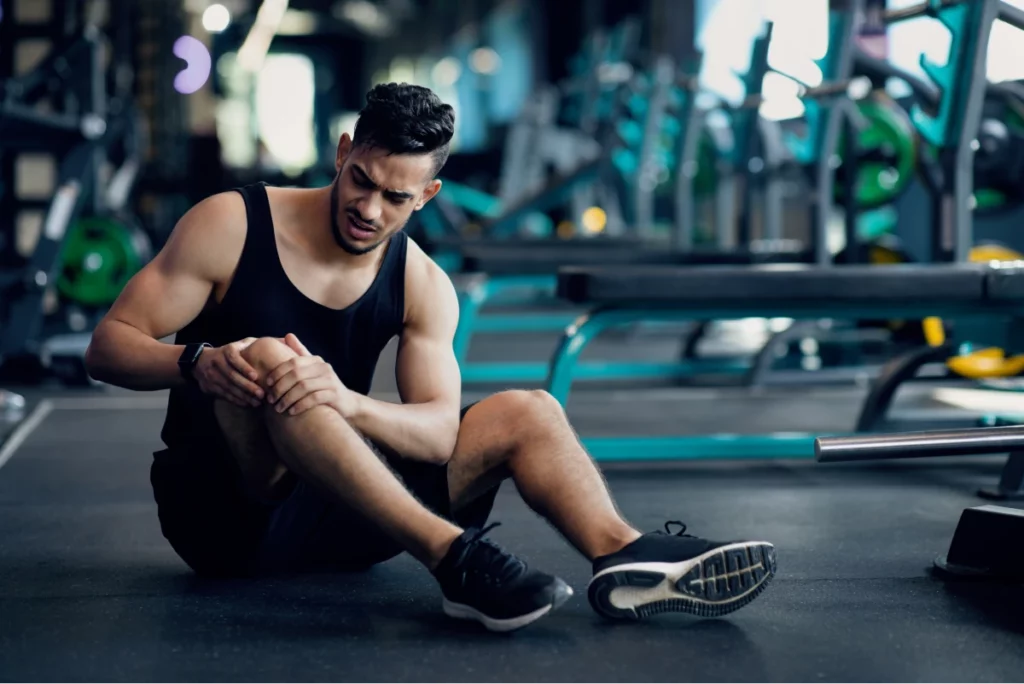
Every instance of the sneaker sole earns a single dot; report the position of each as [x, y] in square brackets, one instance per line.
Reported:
[463, 612]
[710, 585]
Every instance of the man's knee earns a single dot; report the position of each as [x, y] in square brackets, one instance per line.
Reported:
[529, 404]
[521, 411]
[266, 354]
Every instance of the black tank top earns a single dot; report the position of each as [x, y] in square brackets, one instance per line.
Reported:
[263, 302]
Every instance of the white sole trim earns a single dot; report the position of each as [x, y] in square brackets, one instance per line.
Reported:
[464, 612]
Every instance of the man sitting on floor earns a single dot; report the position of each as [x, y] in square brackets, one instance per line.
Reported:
[281, 300]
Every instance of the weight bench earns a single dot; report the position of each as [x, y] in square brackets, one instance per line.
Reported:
[626, 295]
[524, 272]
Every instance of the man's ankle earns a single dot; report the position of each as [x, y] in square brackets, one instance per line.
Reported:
[613, 542]
[437, 551]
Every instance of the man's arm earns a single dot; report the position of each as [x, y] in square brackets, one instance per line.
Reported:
[165, 296]
[426, 424]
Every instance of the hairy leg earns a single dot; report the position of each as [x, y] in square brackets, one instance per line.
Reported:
[321, 447]
[526, 436]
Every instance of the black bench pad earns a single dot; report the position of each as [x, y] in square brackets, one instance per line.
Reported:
[518, 259]
[796, 283]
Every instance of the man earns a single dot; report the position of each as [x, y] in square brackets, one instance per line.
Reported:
[281, 301]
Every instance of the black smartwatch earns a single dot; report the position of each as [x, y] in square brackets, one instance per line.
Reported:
[190, 357]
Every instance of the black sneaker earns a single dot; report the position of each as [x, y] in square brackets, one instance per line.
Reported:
[481, 581]
[663, 572]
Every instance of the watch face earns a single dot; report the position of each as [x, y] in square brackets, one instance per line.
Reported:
[190, 356]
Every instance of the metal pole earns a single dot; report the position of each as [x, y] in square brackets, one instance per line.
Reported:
[1011, 15]
[967, 442]
[973, 98]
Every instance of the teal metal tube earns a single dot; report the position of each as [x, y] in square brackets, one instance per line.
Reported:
[794, 445]
[497, 289]
[537, 371]
[563, 365]
[524, 322]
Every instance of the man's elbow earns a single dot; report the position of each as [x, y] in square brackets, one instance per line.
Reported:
[94, 355]
[444, 446]
[99, 355]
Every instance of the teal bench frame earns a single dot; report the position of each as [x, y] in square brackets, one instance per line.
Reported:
[563, 370]
[513, 290]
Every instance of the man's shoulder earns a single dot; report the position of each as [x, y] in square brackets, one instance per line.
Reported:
[223, 209]
[427, 285]
[212, 232]
[422, 269]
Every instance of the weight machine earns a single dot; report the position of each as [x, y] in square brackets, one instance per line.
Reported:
[557, 133]
[88, 246]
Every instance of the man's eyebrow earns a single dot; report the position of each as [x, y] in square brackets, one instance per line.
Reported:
[394, 194]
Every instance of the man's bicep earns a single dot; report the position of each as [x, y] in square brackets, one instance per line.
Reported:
[427, 369]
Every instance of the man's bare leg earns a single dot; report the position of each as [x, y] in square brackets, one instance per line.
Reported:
[319, 445]
[526, 436]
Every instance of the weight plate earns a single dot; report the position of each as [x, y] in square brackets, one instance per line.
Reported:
[99, 256]
[999, 157]
[888, 151]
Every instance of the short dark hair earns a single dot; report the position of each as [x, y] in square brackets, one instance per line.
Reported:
[406, 119]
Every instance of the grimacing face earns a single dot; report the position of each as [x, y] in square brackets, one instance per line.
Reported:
[374, 194]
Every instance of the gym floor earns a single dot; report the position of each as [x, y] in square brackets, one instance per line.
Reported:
[90, 590]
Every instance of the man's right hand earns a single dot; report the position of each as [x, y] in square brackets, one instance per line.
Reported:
[223, 373]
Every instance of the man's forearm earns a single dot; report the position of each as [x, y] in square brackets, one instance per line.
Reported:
[127, 357]
[424, 432]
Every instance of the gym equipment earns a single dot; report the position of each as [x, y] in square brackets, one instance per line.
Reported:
[89, 245]
[99, 256]
[985, 544]
[972, 442]
[628, 295]
[999, 159]
[966, 361]
[976, 441]
[557, 132]
[522, 274]
[632, 295]
[886, 154]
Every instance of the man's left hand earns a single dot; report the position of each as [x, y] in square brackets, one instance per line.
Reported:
[306, 381]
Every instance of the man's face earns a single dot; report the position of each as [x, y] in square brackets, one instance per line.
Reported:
[375, 193]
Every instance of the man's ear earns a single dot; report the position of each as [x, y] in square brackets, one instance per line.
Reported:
[344, 149]
[433, 187]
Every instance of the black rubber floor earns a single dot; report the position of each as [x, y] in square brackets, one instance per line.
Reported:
[90, 591]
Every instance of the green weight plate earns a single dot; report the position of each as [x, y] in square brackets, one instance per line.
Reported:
[891, 132]
[99, 256]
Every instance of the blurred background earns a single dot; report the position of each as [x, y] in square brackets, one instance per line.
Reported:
[274, 83]
[119, 115]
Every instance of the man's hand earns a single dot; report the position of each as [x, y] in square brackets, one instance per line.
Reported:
[223, 373]
[306, 381]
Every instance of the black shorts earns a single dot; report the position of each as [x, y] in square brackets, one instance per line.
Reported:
[219, 530]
